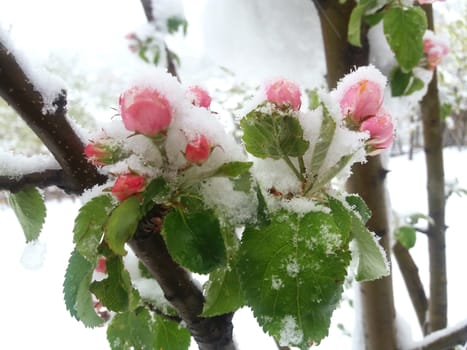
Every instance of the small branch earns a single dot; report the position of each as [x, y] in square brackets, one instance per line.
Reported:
[178, 287]
[160, 313]
[51, 177]
[413, 283]
[443, 339]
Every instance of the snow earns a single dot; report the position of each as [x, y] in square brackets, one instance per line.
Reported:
[290, 332]
[15, 165]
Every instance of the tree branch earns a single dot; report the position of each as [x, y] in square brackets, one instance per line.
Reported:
[46, 178]
[212, 333]
[444, 339]
[413, 283]
[23, 94]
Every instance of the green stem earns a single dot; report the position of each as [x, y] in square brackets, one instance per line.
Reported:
[293, 167]
[301, 164]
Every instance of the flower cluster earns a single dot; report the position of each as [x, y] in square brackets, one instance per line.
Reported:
[434, 48]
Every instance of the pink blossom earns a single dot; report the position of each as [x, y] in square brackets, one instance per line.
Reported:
[101, 265]
[102, 152]
[362, 100]
[127, 185]
[381, 132]
[198, 149]
[284, 92]
[200, 96]
[145, 111]
[435, 49]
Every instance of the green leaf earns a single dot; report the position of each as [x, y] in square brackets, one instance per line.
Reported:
[355, 21]
[273, 135]
[400, 81]
[371, 258]
[156, 192]
[262, 211]
[415, 218]
[78, 298]
[329, 174]
[89, 226]
[242, 183]
[417, 84]
[340, 214]
[122, 224]
[194, 239]
[326, 132]
[404, 30]
[313, 98]
[131, 330]
[292, 272]
[175, 22]
[30, 210]
[233, 169]
[223, 293]
[169, 335]
[406, 235]
[358, 205]
[116, 291]
[374, 18]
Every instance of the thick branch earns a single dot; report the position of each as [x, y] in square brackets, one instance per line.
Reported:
[213, 333]
[433, 142]
[52, 177]
[412, 281]
[444, 339]
[21, 93]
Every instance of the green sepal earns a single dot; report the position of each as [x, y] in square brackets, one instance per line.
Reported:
[89, 226]
[122, 224]
[78, 298]
[29, 208]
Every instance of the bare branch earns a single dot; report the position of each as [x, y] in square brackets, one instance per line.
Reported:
[413, 283]
[51, 177]
[21, 93]
[178, 287]
[444, 339]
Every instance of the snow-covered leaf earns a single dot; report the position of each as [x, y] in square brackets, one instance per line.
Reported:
[89, 226]
[406, 235]
[30, 210]
[169, 335]
[194, 239]
[78, 298]
[358, 205]
[116, 291]
[122, 224]
[234, 169]
[131, 330]
[273, 135]
[404, 29]
[292, 272]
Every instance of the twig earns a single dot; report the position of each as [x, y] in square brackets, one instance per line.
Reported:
[443, 339]
[164, 315]
[43, 179]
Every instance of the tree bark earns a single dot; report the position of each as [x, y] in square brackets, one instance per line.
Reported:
[433, 146]
[378, 312]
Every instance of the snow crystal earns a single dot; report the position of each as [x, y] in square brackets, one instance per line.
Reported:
[33, 256]
[290, 333]
[275, 173]
[15, 165]
[276, 283]
[331, 240]
[292, 266]
[303, 205]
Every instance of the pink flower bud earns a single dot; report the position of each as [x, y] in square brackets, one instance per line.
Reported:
[130, 36]
[199, 96]
[284, 92]
[381, 132]
[103, 152]
[198, 150]
[435, 49]
[145, 111]
[362, 100]
[423, 2]
[127, 185]
[101, 265]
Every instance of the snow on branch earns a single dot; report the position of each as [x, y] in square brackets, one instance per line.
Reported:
[41, 103]
[443, 339]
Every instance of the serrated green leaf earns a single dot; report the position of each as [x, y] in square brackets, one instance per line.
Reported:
[194, 239]
[371, 258]
[359, 206]
[404, 29]
[233, 169]
[169, 335]
[292, 272]
[156, 192]
[78, 298]
[400, 81]
[89, 226]
[417, 84]
[355, 22]
[30, 210]
[122, 224]
[326, 134]
[131, 330]
[406, 235]
[116, 291]
[341, 215]
[273, 135]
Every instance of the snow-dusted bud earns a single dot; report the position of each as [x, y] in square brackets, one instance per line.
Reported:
[127, 185]
[101, 265]
[434, 48]
[284, 92]
[103, 152]
[198, 149]
[381, 132]
[362, 100]
[145, 111]
[199, 96]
